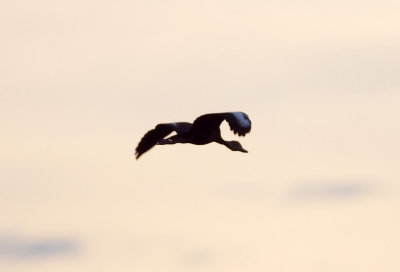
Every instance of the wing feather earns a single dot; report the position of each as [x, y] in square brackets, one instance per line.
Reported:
[239, 122]
[152, 137]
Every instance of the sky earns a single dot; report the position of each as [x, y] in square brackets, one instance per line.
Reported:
[82, 81]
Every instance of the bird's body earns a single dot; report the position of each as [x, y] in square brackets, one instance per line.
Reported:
[204, 130]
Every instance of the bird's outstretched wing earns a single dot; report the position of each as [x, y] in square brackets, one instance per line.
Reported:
[239, 122]
[152, 137]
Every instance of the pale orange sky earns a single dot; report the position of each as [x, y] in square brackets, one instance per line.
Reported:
[82, 81]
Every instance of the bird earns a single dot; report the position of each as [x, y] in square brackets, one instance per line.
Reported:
[204, 130]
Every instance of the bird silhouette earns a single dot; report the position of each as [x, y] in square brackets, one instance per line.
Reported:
[204, 130]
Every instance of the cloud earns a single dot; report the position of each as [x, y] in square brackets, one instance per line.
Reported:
[199, 258]
[25, 249]
[320, 190]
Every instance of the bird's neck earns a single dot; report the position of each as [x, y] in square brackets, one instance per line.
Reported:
[228, 144]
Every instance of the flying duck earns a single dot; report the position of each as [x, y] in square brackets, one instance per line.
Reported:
[204, 130]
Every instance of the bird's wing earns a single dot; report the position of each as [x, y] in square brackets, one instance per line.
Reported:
[239, 122]
[152, 137]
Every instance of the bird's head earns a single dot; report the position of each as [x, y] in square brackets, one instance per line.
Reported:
[235, 146]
